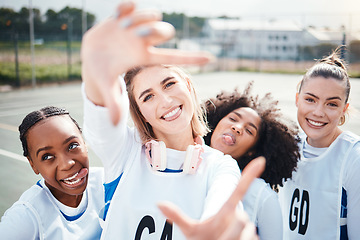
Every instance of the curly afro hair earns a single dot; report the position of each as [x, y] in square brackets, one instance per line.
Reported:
[278, 139]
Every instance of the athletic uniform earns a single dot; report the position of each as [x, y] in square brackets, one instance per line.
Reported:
[262, 205]
[322, 201]
[133, 188]
[38, 215]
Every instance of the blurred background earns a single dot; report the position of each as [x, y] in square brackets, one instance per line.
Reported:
[271, 42]
[40, 39]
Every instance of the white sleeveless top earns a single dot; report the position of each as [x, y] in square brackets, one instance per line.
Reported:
[36, 214]
[311, 200]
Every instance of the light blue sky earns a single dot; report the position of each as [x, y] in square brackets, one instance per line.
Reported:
[330, 13]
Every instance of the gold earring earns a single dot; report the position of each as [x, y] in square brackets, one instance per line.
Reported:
[342, 120]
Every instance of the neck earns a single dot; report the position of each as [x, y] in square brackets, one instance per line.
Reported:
[66, 199]
[324, 141]
[179, 141]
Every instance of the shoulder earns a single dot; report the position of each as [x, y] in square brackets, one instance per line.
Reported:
[212, 154]
[220, 165]
[10, 227]
[217, 158]
[96, 173]
[351, 142]
[96, 181]
[23, 211]
[259, 188]
[32, 194]
[350, 137]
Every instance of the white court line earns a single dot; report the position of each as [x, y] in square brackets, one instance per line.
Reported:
[13, 155]
[8, 127]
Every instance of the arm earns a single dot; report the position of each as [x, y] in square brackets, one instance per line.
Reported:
[110, 143]
[18, 223]
[225, 176]
[228, 223]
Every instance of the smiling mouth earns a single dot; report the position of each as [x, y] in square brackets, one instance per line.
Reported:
[173, 114]
[316, 124]
[76, 179]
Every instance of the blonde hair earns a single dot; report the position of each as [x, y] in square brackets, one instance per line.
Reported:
[198, 122]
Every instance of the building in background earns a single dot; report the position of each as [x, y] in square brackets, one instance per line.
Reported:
[272, 39]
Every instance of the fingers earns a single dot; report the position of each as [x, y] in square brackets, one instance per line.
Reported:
[235, 228]
[155, 33]
[249, 232]
[178, 57]
[253, 170]
[174, 214]
[124, 8]
[143, 16]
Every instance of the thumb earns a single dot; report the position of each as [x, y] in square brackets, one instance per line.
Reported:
[253, 170]
[174, 214]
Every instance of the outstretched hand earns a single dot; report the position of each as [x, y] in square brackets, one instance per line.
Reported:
[124, 41]
[229, 222]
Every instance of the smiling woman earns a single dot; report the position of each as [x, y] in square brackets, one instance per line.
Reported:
[327, 179]
[66, 202]
[163, 157]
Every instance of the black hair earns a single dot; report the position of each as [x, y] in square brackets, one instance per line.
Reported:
[278, 139]
[36, 116]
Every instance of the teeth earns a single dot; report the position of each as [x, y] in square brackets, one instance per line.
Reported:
[71, 178]
[73, 182]
[172, 113]
[315, 123]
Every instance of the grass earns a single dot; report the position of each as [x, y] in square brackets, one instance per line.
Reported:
[43, 73]
[51, 63]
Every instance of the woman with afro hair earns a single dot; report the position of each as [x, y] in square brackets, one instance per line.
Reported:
[245, 127]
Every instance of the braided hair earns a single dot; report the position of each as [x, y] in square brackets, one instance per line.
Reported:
[36, 116]
[277, 142]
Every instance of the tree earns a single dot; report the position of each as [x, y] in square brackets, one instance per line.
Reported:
[50, 26]
[178, 19]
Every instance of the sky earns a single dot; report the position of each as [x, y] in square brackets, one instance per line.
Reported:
[319, 13]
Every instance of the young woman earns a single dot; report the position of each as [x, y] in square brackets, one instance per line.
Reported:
[162, 157]
[245, 127]
[66, 202]
[322, 199]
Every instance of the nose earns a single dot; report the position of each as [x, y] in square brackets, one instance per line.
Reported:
[237, 128]
[65, 163]
[318, 111]
[165, 99]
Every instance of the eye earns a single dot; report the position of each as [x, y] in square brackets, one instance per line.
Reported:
[332, 104]
[232, 119]
[47, 157]
[147, 97]
[249, 131]
[73, 145]
[169, 84]
[309, 100]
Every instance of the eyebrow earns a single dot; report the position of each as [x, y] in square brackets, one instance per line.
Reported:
[42, 149]
[250, 123]
[331, 98]
[49, 147]
[149, 89]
